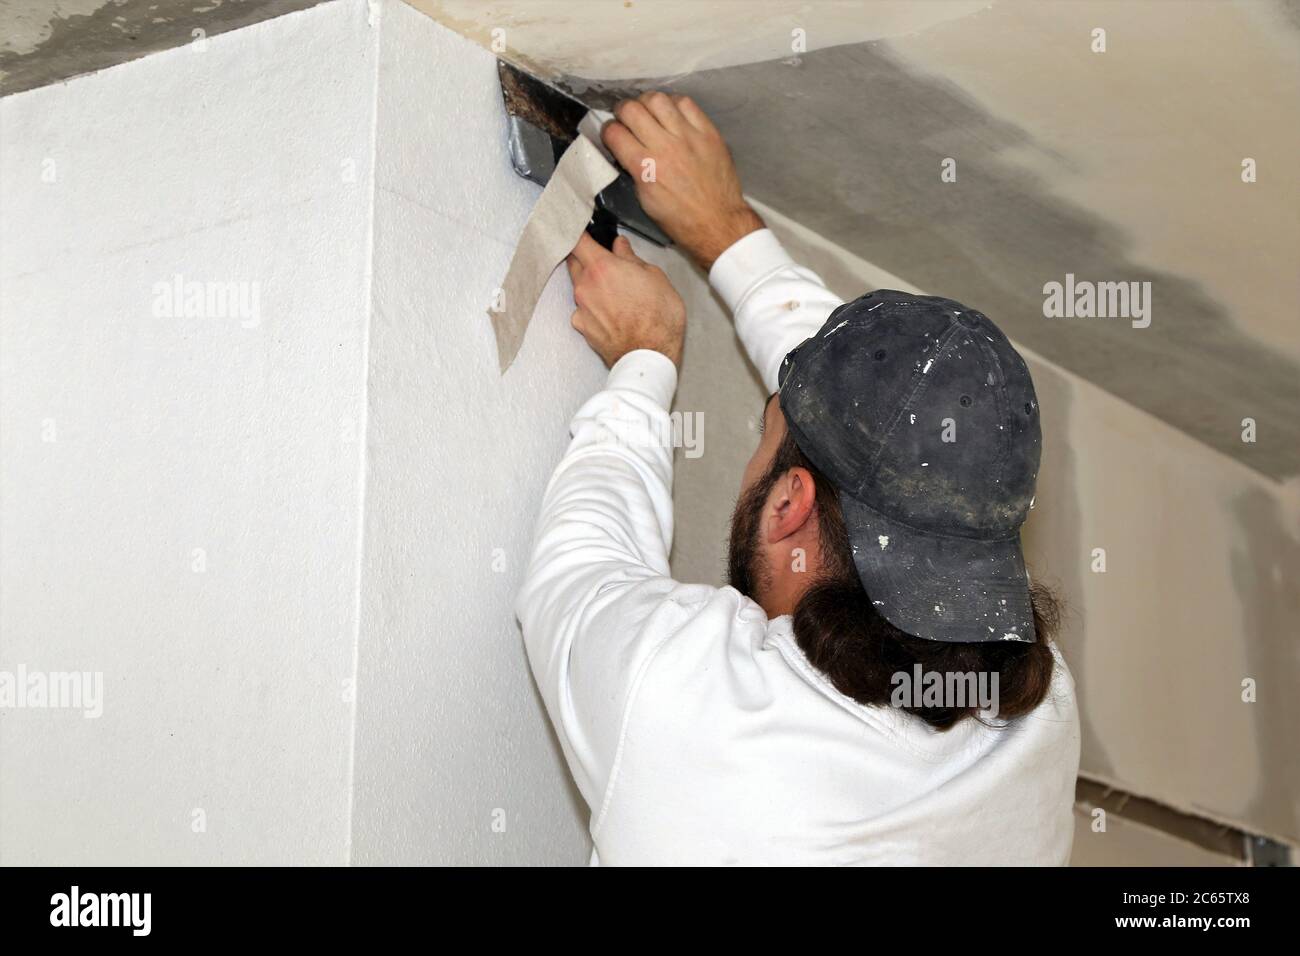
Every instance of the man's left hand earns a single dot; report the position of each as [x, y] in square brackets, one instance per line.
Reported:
[624, 303]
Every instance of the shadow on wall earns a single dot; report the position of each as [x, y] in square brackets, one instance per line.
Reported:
[1055, 550]
[721, 392]
[867, 174]
[1270, 602]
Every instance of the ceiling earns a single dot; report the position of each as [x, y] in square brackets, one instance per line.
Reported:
[1122, 166]
[1115, 166]
[45, 41]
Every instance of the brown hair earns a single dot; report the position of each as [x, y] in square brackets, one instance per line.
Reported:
[847, 639]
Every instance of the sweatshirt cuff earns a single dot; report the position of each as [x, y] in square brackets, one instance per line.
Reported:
[747, 261]
[646, 372]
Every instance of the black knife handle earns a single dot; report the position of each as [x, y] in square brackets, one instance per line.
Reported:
[603, 227]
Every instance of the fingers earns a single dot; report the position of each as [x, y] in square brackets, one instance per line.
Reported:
[623, 249]
[627, 149]
[642, 125]
[693, 115]
[664, 110]
[634, 115]
[588, 252]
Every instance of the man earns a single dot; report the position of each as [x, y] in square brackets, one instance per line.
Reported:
[874, 551]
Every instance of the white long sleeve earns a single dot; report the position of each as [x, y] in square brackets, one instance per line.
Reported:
[696, 730]
[777, 304]
[600, 562]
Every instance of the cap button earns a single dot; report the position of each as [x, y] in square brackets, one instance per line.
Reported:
[967, 320]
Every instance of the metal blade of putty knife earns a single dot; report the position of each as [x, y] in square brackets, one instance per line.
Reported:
[543, 122]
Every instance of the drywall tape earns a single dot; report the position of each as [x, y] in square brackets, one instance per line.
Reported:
[592, 122]
[552, 230]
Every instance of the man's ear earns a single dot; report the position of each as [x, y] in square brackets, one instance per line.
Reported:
[792, 503]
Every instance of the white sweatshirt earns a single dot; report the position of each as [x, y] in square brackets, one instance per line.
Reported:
[696, 730]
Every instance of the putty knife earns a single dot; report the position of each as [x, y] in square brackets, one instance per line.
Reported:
[543, 122]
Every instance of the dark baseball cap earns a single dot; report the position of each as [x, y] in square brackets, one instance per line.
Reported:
[924, 418]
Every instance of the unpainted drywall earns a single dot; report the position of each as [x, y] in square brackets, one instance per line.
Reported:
[627, 39]
[180, 490]
[1201, 556]
[1124, 843]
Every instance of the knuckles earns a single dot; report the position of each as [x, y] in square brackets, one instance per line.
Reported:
[623, 107]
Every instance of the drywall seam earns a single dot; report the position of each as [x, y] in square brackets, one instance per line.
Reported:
[1207, 832]
[1189, 809]
[374, 21]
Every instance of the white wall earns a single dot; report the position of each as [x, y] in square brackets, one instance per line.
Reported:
[223, 689]
[451, 738]
[330, 459]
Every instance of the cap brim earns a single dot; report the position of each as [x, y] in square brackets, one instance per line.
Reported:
[940, 588]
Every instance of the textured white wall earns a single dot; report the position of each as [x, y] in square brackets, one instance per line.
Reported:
[223, 688]
[360, 479]
[451, 737]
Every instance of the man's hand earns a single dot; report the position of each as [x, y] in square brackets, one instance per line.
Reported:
[690, 188]
[624, 303]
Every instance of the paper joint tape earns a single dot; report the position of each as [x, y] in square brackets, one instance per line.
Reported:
[553, 228]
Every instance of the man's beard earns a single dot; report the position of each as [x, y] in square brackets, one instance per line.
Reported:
[747, 568]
